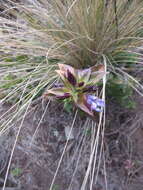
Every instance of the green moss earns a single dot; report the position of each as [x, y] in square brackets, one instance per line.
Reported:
[16, 172]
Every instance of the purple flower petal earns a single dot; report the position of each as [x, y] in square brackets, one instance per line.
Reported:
[94, 106]
[96, 103]
[99, 109]
[92, 97]
[100, 103]
[89, 101]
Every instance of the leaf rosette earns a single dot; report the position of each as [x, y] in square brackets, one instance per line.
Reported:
[80, 86]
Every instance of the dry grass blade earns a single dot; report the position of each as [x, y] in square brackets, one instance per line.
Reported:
[63, 151]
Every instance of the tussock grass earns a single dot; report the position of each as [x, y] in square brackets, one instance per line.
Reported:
[36, 35]
[75, 32]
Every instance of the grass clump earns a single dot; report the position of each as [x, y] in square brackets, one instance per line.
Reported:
[75, 32]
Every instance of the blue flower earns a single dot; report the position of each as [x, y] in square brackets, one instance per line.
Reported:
[95, 103]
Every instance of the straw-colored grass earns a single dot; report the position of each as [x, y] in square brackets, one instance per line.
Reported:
[36, 35]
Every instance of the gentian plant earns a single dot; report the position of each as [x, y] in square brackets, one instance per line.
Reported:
[79, 86]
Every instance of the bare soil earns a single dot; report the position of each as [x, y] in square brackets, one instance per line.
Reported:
[42, 140]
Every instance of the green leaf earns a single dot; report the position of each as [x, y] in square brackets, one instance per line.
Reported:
[21, 58]
[68, 105]
[9, 59]
[16, 172]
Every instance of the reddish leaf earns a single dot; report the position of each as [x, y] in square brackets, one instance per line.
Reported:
[66, 95]
[56, 92]
[82, 104]
[64, 68]
[91, 88]
[71, 78]
[61, 74]
[80, 84]
[84, 75]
